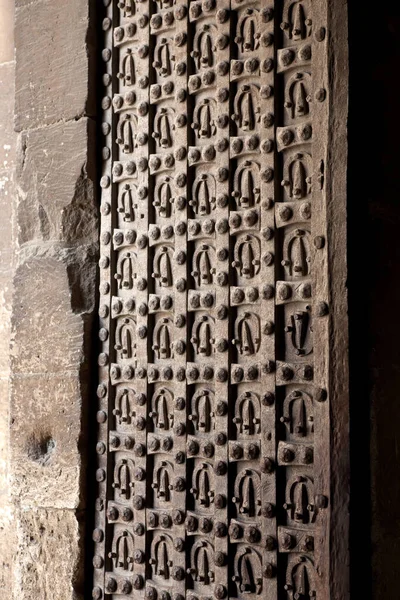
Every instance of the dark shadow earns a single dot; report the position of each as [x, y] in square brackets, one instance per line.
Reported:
[374, 297]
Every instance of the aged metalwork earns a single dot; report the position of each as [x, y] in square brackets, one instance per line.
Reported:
[213, 421]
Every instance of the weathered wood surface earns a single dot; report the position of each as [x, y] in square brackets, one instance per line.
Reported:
[222, 401]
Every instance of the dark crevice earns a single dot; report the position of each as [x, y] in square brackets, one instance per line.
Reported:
[94, 38]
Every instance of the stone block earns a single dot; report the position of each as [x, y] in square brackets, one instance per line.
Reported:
[56, 184]
[4, 443]
[7, 252]
[46, 446]
[50, 320]
[48, 563]
[52, 56]
[54, 297]
[6, 273]
[7, 524]
[7, 134]
[7, 546]
[7, 222]
[7, 31]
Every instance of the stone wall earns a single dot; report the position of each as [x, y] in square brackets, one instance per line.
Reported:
[54, 297]
[7, 236]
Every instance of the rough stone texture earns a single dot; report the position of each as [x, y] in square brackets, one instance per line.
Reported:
[54, 297]
[55, 285]
[45, 308]
[7, 529]
[49, 560]
[53, 303]
[7, 237]
[52, 62]
[55, 190]
[46, 447]
[7, 41]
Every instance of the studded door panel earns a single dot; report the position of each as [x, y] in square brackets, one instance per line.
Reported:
[212, 404]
